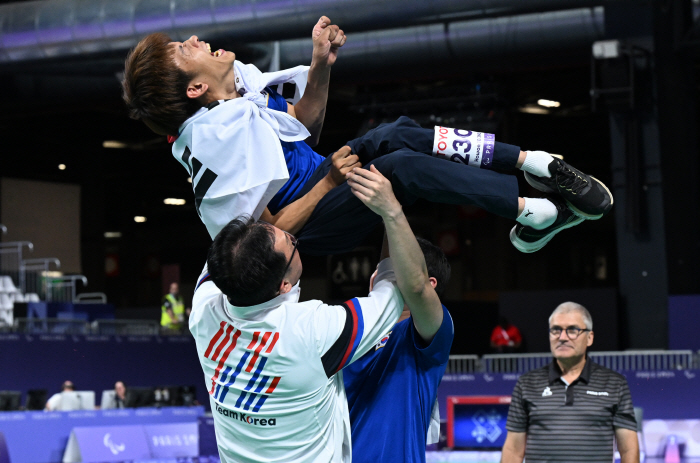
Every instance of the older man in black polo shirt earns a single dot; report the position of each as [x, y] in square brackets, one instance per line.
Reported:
[569, 410]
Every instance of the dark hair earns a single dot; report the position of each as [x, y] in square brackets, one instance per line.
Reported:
[244, 264]
[438, 266]
[155, 88]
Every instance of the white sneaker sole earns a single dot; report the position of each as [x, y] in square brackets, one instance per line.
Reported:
[530, 247]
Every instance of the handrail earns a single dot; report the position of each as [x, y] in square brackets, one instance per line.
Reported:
[615, 360]
[50, 326]
[15, 247]
[17, 244]
[33, 274]
[64, 281]
[126, 327]
[645, 359]
[463, 364]
[42, 260]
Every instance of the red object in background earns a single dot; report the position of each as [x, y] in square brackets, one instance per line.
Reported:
[171, 139]
[502, 337]
[112, 265]
[453, 400]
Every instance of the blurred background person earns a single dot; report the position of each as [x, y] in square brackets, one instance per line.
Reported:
[173, 308]
[54, 403]
[115, 398]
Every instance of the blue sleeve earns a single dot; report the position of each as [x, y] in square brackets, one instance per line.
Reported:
[275, 100]
[438, 351]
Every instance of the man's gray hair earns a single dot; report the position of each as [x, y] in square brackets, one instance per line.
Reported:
[566, 307]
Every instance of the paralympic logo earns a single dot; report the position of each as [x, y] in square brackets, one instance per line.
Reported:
[114, 448]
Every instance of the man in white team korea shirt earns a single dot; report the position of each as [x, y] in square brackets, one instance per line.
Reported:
[272, 364]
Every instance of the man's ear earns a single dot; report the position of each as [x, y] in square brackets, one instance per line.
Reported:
[285, 286]
[433, 282]
[196, 89]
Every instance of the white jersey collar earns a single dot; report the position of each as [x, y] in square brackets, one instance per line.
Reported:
[257, 312]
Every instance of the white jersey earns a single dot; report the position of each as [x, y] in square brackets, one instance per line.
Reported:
[232, 150]
[273, 371]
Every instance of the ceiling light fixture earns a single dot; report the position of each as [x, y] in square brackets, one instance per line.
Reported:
[548, 103]
[139, 219]
[533, 109]
[61, 167]
[113, 234]
[174, 201]
[113, 144]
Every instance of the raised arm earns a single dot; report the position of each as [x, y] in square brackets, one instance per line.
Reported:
[294, 216]
[311, 109]
[375, 191]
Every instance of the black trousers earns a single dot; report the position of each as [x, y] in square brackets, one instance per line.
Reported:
[401, 151]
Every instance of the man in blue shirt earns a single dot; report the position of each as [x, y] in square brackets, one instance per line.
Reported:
[392, 389]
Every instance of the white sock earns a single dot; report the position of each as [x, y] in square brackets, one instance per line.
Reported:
[538, 213]
[537, 163]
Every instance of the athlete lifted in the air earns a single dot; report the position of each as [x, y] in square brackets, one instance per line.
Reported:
[244, 146]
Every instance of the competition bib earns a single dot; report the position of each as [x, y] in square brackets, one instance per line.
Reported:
[465, 146]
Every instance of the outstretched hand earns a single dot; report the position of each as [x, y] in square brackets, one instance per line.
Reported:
[343, 162]
[327, 38]
[375, 191]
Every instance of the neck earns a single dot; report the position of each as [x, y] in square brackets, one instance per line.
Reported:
[222, 94]
[572, 367]
[224, 89]
[229, 86]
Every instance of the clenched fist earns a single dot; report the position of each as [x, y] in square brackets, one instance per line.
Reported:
[343, 162]
[327, 39]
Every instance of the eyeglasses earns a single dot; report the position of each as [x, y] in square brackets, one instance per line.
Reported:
[572, 332]
[295, 242]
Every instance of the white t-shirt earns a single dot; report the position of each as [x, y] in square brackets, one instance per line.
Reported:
[54, 402]
[232, 150]
[273, 371]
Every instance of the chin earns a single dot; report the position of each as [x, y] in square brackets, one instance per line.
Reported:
[563, 353]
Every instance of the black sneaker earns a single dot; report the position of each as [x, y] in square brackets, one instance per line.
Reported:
[527, 239]
[587, 196]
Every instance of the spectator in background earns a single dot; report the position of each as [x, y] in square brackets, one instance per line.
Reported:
[116, 398]
[173, 308]
[505, 337]
[54, 403]
[120, 394]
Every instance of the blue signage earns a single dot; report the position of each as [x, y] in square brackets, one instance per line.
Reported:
[480, 425]
[126, 443]
[42, 437]
[107, 443]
